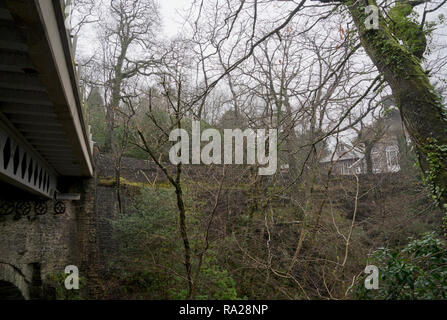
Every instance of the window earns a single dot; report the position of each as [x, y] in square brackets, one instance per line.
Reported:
[345, 167]
[392, 158]
[376, 167]
[377, 160]
[358, 169]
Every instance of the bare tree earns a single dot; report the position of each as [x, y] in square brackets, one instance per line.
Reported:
[128, 39]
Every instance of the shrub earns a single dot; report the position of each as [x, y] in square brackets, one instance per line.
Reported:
[418, 271]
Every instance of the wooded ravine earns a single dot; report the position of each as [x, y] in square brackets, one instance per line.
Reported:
[355, 92]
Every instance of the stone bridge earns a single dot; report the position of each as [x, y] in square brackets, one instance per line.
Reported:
[46, 153]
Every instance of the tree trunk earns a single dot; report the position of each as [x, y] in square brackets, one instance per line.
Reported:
[109, 129]
[115, 100]
[368, 158]
[420, 106]
[291, 140]
[110, 116]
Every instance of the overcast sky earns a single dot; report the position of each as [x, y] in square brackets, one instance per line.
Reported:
[171, 20]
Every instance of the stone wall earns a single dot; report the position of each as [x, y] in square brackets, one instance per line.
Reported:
[106, 210]
[35, 249]
[135, 170]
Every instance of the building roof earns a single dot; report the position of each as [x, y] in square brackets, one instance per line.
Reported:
[352, 153]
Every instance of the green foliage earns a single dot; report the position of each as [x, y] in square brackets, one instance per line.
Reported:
[418, 271]
[215, 283]
[436, 155]
[58, 283]
[405, 26]
[151, 220]
[150, 260]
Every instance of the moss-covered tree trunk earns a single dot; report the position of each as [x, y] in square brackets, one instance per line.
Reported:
[420, 106]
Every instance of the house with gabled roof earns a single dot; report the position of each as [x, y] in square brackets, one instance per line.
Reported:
[376, 144]
[350, 160]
